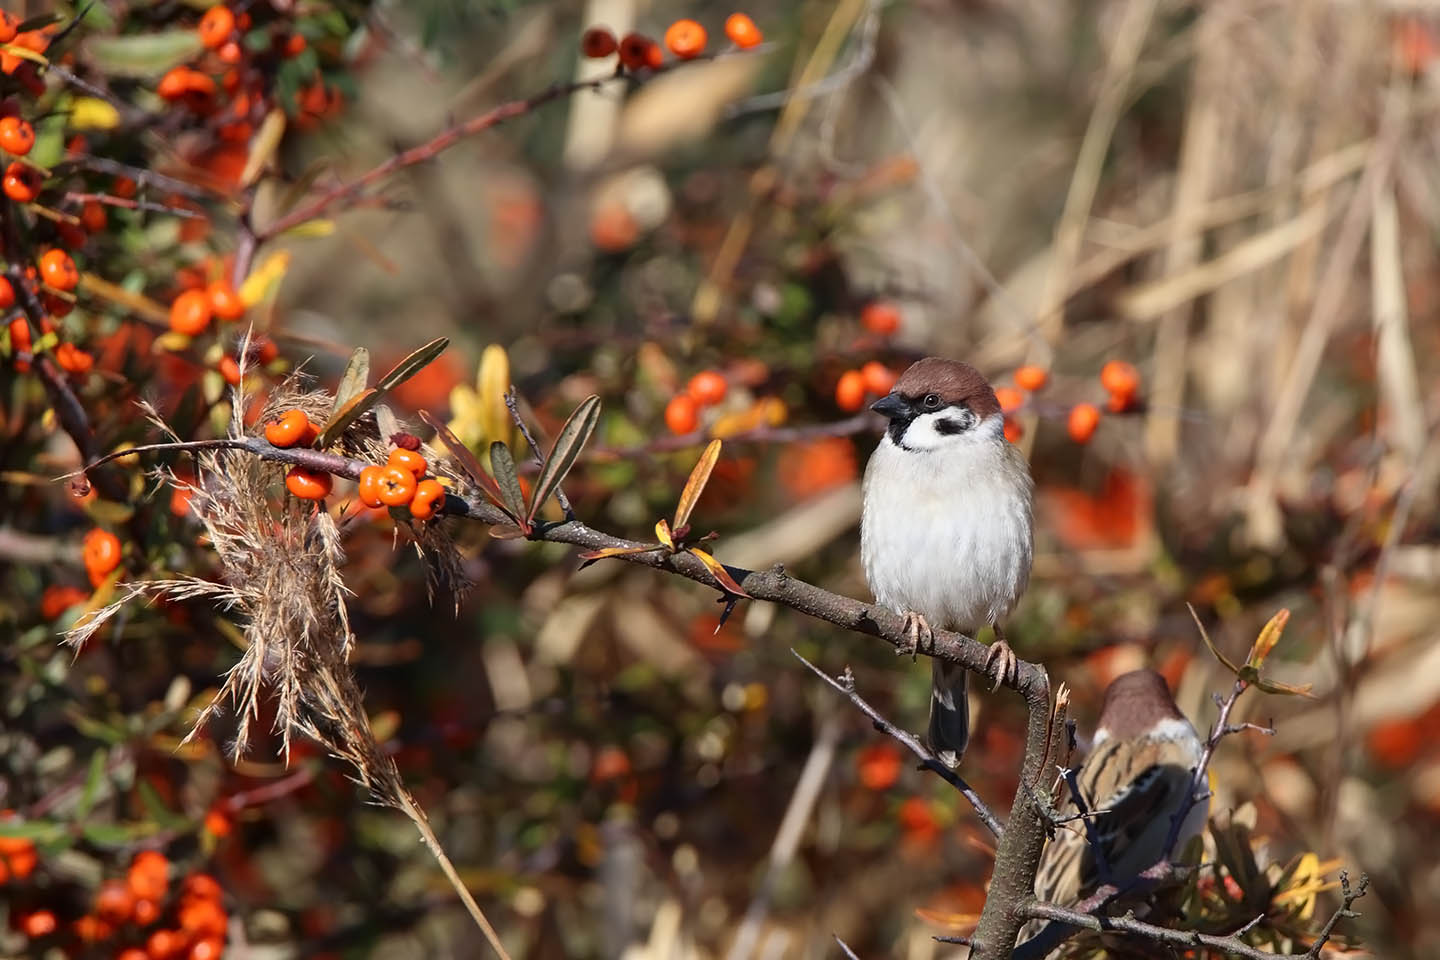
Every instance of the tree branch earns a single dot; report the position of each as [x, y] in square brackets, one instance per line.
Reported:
[846, 686]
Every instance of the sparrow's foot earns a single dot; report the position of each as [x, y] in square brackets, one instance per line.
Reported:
[1003, 659]
[915, 629]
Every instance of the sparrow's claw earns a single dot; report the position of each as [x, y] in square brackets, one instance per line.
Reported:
[916, 628]
[1007, 665]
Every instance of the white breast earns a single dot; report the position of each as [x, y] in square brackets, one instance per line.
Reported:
[946, 532]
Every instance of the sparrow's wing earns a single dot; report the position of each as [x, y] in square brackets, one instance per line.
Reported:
[1141, 785]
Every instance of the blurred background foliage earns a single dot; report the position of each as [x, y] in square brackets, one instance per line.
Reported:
[1240, 199]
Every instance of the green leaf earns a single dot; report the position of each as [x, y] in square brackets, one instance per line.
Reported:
[572, 439]
[361, 403]
[94, 779]
[143, 54]
[357, 375]
[503, 464]
[413, 364]
[42, 832]
[114, 835]
[155, 807]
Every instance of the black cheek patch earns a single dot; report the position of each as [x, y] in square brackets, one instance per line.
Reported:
[948, 426]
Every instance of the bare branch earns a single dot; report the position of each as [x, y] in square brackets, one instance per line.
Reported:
[1348, 896]
[846, 686]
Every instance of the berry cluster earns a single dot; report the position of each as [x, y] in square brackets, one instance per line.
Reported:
[706, 389]
[685, 38]
[872, 380]
[401, 482]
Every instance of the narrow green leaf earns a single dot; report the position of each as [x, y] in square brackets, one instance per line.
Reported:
[508, 480]
[695, 485]
[142, 54]
[357, 375]
[353, 410]
[94, 779]
[572, 439]
[466, 461]
[413, 364]
[115, 835]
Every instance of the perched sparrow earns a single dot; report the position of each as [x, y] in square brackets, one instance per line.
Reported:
[1139, 773]
[945, 531]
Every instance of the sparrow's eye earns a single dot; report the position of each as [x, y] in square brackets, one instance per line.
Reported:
[931, 401]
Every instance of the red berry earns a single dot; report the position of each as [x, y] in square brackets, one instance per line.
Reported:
[742, 31]
[880, 317]
[598, 42]
[850, 391]
[686, 39]
[682, 415]
[707, 388]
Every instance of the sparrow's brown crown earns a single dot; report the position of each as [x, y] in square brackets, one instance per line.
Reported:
[953, 381]
[1134, 703]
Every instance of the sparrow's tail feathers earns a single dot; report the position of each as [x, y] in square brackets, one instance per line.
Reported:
[949, 711]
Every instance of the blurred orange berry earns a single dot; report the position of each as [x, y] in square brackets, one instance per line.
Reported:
[101, 551]
[57, 599]
[295, 44]
[850, 391]
[878, 766]
[190, 313]
[707, 388]
[637, 51]
[216, 26]
[612, 227]
[35, 41]
[686, 39]
[1010, 399]
[225, 302]
[1119, 402]
[1013, 430]
[72, 359]
[810, 467]
[9, 26]
[37, 923]
[132, 953]
[114, 902]
[164, 944]
[290, 429]
[1031, 378]
[880, 317]
[7, 294]
[229, 368]
[1120, 379]
[149, 875]
[202, 886]
[611, 763]
[1083, 420]
[22, 182]
[1396, 743]
[202, 918]
[742, 31]
[91, 929]
[124, 188]
[598, 42]
[218, 822]
[16, 136]
[230, 53]
[682, 415]
[879, 379]
[917, 817]
[210, 948]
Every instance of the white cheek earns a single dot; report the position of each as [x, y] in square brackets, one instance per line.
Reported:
[923, 434]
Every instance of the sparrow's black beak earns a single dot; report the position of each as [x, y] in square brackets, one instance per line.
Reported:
[892, 405]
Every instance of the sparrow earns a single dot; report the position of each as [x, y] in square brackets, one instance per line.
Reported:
[946, 525]
[1136, 778]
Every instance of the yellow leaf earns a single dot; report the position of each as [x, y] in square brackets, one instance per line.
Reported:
[265, 278]
[695, 485]
[1269, 636]
[263, 146]
[311, 229]
[92, 113]
[493, 382]
[662, 533]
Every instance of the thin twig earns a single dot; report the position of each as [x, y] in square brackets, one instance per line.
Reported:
[1348, 896]
[928, 760]
[512, 401]
[1185, 939]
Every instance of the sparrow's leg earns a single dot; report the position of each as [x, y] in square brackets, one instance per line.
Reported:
[1007, 665]
[916, 627]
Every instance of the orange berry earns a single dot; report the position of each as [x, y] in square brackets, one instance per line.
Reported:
[1010, 399]
[216, 26]
[263, 349]
[145, 912]
[149, 875]
[9, 26]
[611, 763]
[1013, 430]
[22, 182]
[1031, 378]
[218, 822]
[202, 918]
[21, 340]
[91, 929]
[173, 85]
[1119, 402]
[57, 599]
[850, 391]
[16, 136]
[682, 414]
[230, 53]
[879, 379]
[72, 359]
[409, 459]
[917, 816]
[22, 862]
[429, 497]
[210, 948]
[101, 551]
[114, 902]
[880, 317]
[707, 388]
[132, 953]
[58, 270]
[742, 31]
[295, 44]
[637, 51]
[229, 368]
[598, 42]
[370, 486]
[1120, 378]
[225, 301]
[124, 188]
[289, 430]
[1083, 420]
[397, 486]
[7, 294]
[190, 313]
[93, 216]
[164, 944]
[56, 305]
[202, 886]
[686, 39]
[878, 766]
[309, 484]
[38, 923]
[72, 235]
